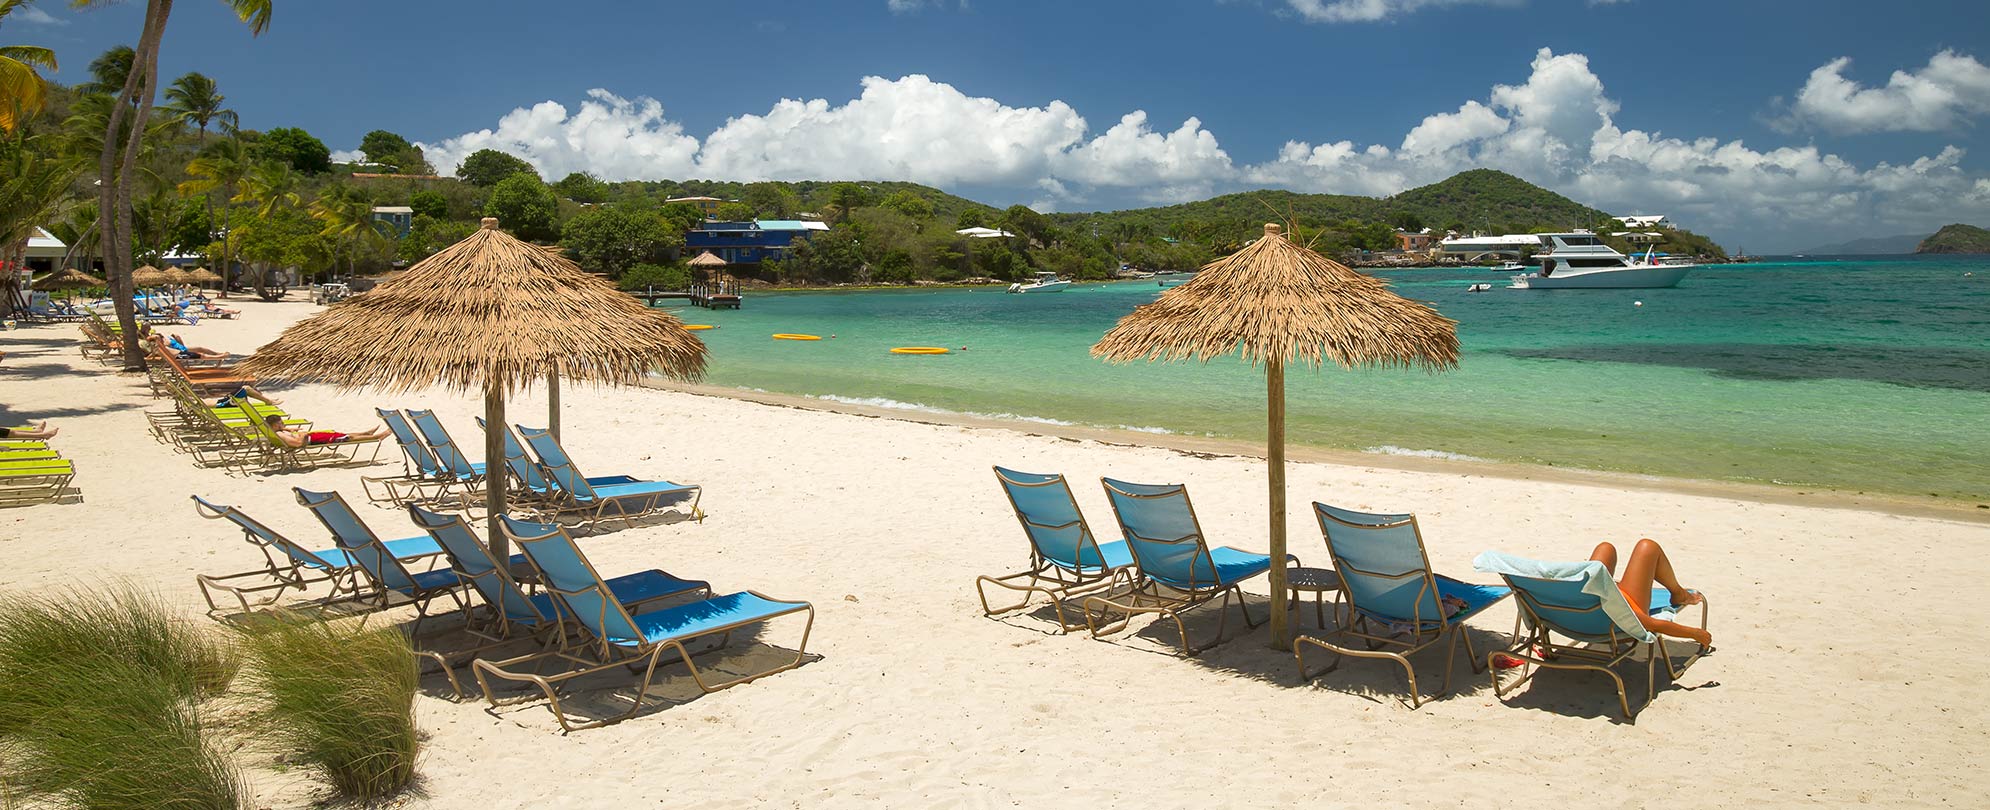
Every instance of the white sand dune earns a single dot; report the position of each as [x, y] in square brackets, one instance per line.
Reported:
[1837, 681]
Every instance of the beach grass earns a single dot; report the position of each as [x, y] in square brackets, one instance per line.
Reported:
[336, 699]
[100, 704]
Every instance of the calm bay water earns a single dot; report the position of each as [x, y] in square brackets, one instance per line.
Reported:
[1867, 374]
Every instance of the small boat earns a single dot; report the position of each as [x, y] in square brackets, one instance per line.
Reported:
[1480, 287]
[1045, 282]
[1510, 267]
[1580, 261]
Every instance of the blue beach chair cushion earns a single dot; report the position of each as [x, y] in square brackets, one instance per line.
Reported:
[697, 618]
[1383, 570]
[1577, 599]
[1160, 524]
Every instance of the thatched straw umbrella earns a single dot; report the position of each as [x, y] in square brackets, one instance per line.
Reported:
[706, 260]
[1273, 302]
[176, 276]
[148, 276]
[489, 313]
[69, 279]
[202, 275]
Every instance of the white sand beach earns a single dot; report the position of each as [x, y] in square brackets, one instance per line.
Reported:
[1847, 638]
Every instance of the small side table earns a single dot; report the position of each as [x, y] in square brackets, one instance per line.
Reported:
[1318, 581]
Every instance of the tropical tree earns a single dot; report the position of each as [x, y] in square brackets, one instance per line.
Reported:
[615, 238]
[526, 207]
[109, 71]
[488, 167]
[222, 169]
[117, 164]
[33, 189]
[23, 92]
[192, 99]
[348, 217]
[582, 187]
[292, 145]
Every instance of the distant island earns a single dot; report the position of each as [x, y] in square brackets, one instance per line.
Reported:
[1957, 238]
[1870, 246]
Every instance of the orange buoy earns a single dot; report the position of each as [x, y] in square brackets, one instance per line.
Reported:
[697, 326]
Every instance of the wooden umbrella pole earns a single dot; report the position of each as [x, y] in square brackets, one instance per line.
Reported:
[494, 469]
[553, 403]
[1275, 475]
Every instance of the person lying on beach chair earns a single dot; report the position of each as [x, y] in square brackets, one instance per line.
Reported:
[41, 431]
[1648, 565]
[242, 396]
[295, 437]
[192, 352]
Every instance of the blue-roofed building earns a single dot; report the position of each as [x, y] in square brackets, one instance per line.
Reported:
[749, 242]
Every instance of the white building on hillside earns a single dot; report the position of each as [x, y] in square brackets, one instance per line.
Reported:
[1647, 221]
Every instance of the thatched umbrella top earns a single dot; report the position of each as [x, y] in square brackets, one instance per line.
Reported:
[1277, 301]
[487, 312]
[148, 276]
[706, 259]
[69, 279]
[202, 275]
[176, 276]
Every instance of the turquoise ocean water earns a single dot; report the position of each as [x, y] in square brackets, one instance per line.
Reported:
[1867, 374]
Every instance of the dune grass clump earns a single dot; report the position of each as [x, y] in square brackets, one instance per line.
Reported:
[335, 699]
[100, 705]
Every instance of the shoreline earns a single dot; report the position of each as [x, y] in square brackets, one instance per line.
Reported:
[1209, 447]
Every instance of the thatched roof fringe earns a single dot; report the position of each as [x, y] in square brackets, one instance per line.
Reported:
[1276, 300]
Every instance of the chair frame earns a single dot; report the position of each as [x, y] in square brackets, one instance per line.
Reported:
[1148, 595]
[606, 655]
[567, 501]
[418, 595]
[344, 582]
[1063, 584]
[419, 466]
[1536, 648]
[1423, 633]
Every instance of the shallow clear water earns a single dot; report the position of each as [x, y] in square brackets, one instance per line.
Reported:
[1861, 374]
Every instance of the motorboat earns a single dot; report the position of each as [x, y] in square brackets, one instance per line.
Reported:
[1578, 260]
[1510, 267]
[1045, 282]
[1480, 287]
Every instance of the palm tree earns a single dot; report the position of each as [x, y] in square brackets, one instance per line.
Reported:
[222, 169]
[267, 187]
[115, 186]
[109, 71]
[192, 99]
[23, 92]
[33, 189]
[348, 218]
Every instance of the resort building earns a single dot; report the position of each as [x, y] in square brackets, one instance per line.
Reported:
[984, 233]
[709, 206]
[1415, 242]
[1642, 221]
[44, 251]
[750, 242]
[399, 216]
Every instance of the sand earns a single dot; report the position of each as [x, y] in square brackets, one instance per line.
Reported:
[1835, 682]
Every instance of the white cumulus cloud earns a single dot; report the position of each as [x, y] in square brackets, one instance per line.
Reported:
[1556, 128]
[35, 16]
[1943, 95]
[1338, 11]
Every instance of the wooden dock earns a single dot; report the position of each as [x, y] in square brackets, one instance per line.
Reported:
[709, 296]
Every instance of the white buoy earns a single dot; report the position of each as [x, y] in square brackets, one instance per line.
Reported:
[1637, 303]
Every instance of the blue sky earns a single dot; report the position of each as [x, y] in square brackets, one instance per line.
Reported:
[1738, 119]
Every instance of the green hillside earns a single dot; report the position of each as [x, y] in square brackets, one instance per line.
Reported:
[1957, 238]
[1480, 199]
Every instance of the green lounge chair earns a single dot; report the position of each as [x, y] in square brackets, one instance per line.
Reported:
[1066, 561]
[1580, 601]
[1398, 606]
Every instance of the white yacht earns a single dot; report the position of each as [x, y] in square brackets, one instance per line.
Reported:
[1578, 260]
[1045, 282]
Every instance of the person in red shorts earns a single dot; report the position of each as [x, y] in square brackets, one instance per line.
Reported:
[292, 437]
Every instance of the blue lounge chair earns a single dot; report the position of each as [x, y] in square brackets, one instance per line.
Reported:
[512, 610]
[1581, 602]
[420, 467]
[1065, 559]
[389, 574]
[631, 497]
[289, 565]
[456, 467]
[1178, 569]
[1396, 604]
[529, 481]
[620, 638]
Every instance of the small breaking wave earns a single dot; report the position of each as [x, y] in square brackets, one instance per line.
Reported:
[1392, 450]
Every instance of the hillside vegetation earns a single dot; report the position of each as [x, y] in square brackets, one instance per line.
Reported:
[1957, 238]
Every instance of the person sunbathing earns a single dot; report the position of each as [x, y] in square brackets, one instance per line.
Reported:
[1649, 563]
[242, 397]
[192, 352]
[41, 431]
[292, 437]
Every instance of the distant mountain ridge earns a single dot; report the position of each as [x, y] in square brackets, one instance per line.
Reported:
[1957, 238]
[1870, 246]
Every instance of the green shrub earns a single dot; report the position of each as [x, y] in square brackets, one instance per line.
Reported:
[335, 699]
[672, 277]
[99, 698]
